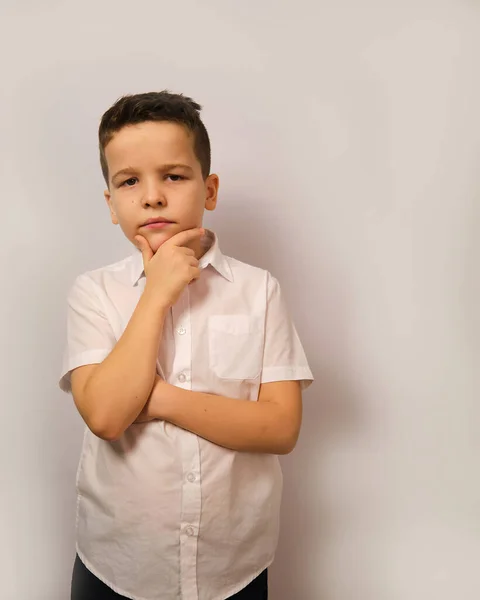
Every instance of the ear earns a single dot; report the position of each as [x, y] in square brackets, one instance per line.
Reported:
[108, 199]
[211, 186]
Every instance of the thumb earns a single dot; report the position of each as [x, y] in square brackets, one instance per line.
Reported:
[144, 248]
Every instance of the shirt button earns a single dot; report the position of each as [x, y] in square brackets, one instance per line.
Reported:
[190, 531]
[181, 331]
[191, 477]
[182, 377]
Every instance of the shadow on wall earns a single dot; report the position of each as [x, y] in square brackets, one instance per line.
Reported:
[309, 523]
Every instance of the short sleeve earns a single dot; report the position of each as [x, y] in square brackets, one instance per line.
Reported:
[90, 337]
[283, 357]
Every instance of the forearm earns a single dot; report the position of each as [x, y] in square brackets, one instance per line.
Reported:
[119, 387]
[242, 425]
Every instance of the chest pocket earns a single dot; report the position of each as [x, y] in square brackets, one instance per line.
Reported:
[235, 346]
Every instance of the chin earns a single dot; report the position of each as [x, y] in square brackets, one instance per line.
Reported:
[158, 238]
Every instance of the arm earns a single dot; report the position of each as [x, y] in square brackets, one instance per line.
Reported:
[110, 395]
[271, 425]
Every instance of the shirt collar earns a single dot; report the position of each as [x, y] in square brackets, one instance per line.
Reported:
[213, 257]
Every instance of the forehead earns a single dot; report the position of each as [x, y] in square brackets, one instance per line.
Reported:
[151, 142]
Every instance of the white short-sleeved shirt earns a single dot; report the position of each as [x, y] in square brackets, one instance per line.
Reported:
[163, 514]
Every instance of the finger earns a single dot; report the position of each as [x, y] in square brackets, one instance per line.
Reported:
[195, 273]
[144, 248]
[184, 237]
[187, 251]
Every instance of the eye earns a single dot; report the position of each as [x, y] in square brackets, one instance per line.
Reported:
[130, 182]
[175, 178]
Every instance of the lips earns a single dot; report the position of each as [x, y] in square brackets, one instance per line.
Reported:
[157, 221]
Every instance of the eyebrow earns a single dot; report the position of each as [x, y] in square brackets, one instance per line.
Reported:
[168, 167]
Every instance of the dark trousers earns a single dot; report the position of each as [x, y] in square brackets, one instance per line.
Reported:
[85, 586]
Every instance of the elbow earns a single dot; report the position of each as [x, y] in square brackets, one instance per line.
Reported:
[107, 434]
[104, 429]
[102, 418]
[286, 448]
[288, 443]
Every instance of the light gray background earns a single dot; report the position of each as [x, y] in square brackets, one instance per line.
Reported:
[346, 135]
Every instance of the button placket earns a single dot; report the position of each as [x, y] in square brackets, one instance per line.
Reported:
[183, 340]
[189, 450]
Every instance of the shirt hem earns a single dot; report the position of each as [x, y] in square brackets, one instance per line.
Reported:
[122, 592]
[242, 586]
[116, 589]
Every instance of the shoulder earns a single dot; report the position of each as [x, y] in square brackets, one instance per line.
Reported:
[243, 271]
[254, 278]
[115, 269]
[95, 280]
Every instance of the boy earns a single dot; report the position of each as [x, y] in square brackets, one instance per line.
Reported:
[188, 373]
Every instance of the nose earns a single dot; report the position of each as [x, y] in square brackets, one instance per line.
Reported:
[154, 195]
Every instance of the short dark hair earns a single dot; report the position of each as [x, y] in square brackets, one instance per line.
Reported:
[155, 106]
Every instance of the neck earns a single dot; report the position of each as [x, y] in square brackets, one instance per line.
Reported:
[202, 246]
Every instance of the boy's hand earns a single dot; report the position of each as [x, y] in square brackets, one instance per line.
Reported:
[172, 266]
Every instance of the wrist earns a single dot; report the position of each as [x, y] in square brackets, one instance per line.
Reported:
[169, 401]
[153, 298]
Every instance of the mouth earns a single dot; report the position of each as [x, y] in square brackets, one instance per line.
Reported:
[158, 223]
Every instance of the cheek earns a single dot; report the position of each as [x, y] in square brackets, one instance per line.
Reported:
[127, 217]
[126, 209]
[191, 207]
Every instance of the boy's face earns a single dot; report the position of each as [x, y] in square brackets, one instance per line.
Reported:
[154, 173]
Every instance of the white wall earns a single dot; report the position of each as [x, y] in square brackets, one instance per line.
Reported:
[347, 139]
